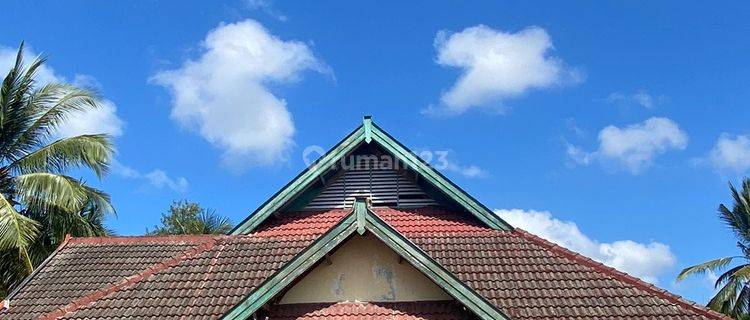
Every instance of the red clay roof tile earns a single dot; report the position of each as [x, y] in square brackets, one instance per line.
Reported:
[526, 277]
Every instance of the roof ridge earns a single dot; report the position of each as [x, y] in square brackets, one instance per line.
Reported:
[621, 276]
[146, 238]
[367, 133]
[87, 300]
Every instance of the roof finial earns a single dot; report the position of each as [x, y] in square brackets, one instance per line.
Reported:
[367, 124]
[360, 211]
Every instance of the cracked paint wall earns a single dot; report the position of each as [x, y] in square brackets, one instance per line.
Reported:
[364, 269]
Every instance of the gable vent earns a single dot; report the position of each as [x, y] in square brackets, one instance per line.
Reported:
[386, 188]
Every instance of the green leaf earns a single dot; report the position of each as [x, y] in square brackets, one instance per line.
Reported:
[16, 230]
[51, 191]
[713, 265]
[39, 205]
[724, 300]
[92, 151]
[49, 107]
[189, 218]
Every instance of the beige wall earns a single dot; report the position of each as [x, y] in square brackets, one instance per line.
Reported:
[364, 269]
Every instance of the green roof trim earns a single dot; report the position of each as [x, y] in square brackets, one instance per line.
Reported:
[345, 228]
[293, 269]
[433, 270]
[360, 211]
[453, 191]
[369, 131]
[299, 183]
[367, 125]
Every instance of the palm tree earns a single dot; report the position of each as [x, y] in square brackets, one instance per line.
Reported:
[39, 204]
[190, 218]
[733, 298]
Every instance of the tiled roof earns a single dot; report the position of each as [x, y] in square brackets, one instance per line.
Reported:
[82, 269]
[525, 276]
[426, 310]
[427, 220]
[530, 278]
[202, 277]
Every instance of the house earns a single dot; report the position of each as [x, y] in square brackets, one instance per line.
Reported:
[369, 231]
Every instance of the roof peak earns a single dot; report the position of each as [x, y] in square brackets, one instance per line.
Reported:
[367, 133]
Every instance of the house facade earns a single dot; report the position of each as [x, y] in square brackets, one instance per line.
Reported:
[369, 231]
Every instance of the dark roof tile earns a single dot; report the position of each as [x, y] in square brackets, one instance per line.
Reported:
[202, 277]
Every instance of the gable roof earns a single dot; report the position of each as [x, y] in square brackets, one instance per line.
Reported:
[491, 269]
[363, 220]
[524, 276]
[369, 132]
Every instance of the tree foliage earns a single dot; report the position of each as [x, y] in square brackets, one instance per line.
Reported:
[733, 295]
[39, 204]
[186, 217]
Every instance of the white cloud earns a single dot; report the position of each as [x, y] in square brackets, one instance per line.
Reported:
[159, 179]
[471, 171]
[156, 178]
[443, 161]
[641, 98]
[224, 94]
[731, 153]
[643, 260]
[102, 120]
[267, 7]
[497, 65]
[571, 124]
[634, 147]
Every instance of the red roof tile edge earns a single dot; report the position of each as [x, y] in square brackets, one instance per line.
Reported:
[622, 276]
[206, 244]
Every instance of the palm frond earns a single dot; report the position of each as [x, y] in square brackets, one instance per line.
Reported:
[738, 219]
[12, 117]
[98, 201]
[43, 191]
[211, 223]
[60, 101]
[12, 271]
[733, 272]
[92, 151]
[15, 115]
[39, 205]
[740, 308]
[190, 218]
[724, 300]
[713, 265]
[16, 230]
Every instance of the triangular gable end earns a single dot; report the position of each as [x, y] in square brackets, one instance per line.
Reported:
[368, 133]
[363, 220]
[364, 269]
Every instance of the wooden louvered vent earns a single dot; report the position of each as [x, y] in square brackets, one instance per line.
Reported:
[386, 187]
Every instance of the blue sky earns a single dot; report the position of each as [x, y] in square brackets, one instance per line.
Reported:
[612, 128]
